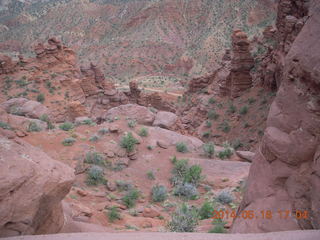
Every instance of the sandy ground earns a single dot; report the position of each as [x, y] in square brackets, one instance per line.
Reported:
[289, 235]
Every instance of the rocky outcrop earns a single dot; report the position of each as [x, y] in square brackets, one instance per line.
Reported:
[198, 83]
[54, 52]
[285, 173]
[292, 15]
[31, 189]
[6, 65]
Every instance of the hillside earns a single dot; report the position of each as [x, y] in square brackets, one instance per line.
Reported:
[168, 40]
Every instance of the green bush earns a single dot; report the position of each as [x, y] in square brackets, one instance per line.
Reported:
[46, 119]
[66, 126]
[208, 124]
[184, 219]
[206, 210]
[40, 97]
[183, 173]
[208, 149]
[225, 197]
[113, 214]
[206, 134]
[224, 127]
[150, 175]
[68, 141]
[186, 190]
[33, 127]
[143, 132]
[218, 226]
[132, 123]
[5, 125]
[251, 100]
[231, 109]
[159, 193]
[94, 138]
[95, 175]
[226, 153]
[236, 144]
[95, 158]
[128, 142]
[123, 185]
[211, 100]
[181, 147]
[243, 110]
[213, 115]
[130, 198]
[193, 175]
[88, 122]
[103, 131]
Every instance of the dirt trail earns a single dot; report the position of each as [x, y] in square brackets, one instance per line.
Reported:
[288, 235]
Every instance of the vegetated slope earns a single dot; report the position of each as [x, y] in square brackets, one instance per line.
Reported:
[135, 38]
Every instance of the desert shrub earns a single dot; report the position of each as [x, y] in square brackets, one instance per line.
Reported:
[123, 185]
[40, 97]
[225, 197]
[46, 119]
[66, 126]
[132, 123]
[231, 109]
[183, 173]
[159, 193]
[5, 125]
[224, 127]
[236, 144]
[68, 141]
[184, 219]
[149, 147]
[181, 147]
[193, 175]
[206, 134]
[113, 214]
[150, 175]
[251, 100]
[208, 149]
[88, 122]
[130, 198]
[94, 138]
[217, 229]
[128, 142]
[206, 210]
[143, 132]
[95, 175]
[218, 226]
[186, 190]
[211, 100]
[226, 153]
[208, 124]
[33, 127]
[95, 158]
[244, 110]
[213, 115]
[103, 131]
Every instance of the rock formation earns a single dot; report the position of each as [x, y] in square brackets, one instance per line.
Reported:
[6, 64]
[285, 175]
[32, 186]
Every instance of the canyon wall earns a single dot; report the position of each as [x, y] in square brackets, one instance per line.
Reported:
[285, 174]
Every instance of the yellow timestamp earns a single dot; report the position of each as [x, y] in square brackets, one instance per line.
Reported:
[264, 214]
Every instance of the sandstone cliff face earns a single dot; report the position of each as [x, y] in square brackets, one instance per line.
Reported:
[285, 173]
[32, 186]
[292, 15]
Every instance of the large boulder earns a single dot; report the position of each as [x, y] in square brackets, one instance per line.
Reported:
[142, 114]
[25, 107]
[32, 186]
[171, 138]
[165, 119]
